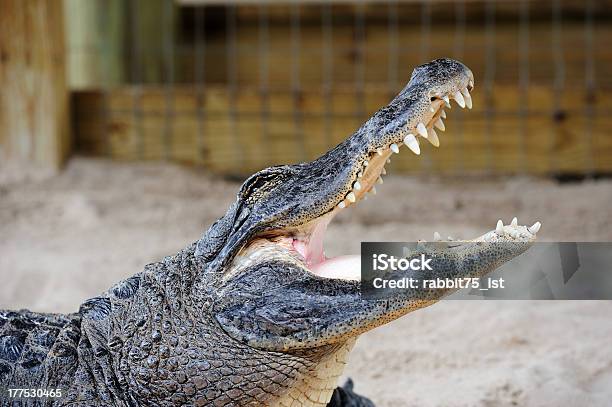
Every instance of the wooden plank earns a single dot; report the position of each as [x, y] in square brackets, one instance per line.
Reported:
[375, 53]
[152, 27]
[498, 140]
[34, 99]
[376, 4]
[95, 38]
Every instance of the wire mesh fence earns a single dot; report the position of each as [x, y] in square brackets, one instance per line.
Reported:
[236, 87]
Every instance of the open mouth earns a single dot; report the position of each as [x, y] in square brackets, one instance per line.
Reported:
[305, 243]
[309, 243]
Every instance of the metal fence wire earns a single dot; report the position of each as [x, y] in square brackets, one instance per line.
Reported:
[237, 86]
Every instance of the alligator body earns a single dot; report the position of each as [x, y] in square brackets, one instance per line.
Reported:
[253, 313]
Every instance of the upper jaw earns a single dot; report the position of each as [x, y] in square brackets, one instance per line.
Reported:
[418, 121]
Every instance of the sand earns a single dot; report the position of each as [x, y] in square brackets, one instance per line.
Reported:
[68, 237]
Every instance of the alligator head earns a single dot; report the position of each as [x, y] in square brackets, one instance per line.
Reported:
[272, 287]
[292, 204]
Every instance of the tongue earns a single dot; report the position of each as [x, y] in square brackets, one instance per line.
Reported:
[341, 267]
[312, 251]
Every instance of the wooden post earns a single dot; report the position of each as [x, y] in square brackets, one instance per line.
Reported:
[33, 96]
[95, 42]
[149, 19]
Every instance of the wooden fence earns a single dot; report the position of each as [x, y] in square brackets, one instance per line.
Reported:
[280, 84]
[237, 137]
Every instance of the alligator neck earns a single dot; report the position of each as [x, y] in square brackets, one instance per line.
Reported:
[316, 386]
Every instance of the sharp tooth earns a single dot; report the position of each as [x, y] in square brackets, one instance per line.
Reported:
[447, 101]
[388, 161]
[514, 222]
[351, 197]
[359, 174]
[437, 237]
[356, 186]
[440, 124]
[383, 171]
[467, 97]
[500, 226]
[459, 99]
[431, 109]
[533, 229]
[342, 205]
[378, 151]
[443, 114]
[366, 163]
[412, 144]
[380, 180]
[373, 190]
[422, 130]
[433, 138]
[394, 148]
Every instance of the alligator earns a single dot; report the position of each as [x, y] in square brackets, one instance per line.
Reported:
[253, 313]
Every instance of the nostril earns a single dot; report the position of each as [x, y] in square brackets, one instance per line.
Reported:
[433, 98]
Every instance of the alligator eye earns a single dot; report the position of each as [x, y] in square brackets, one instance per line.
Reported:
[433, 98]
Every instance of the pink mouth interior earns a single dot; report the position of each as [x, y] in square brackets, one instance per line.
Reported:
[341, 267]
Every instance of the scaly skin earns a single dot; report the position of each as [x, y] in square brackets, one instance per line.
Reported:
[245, 316]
